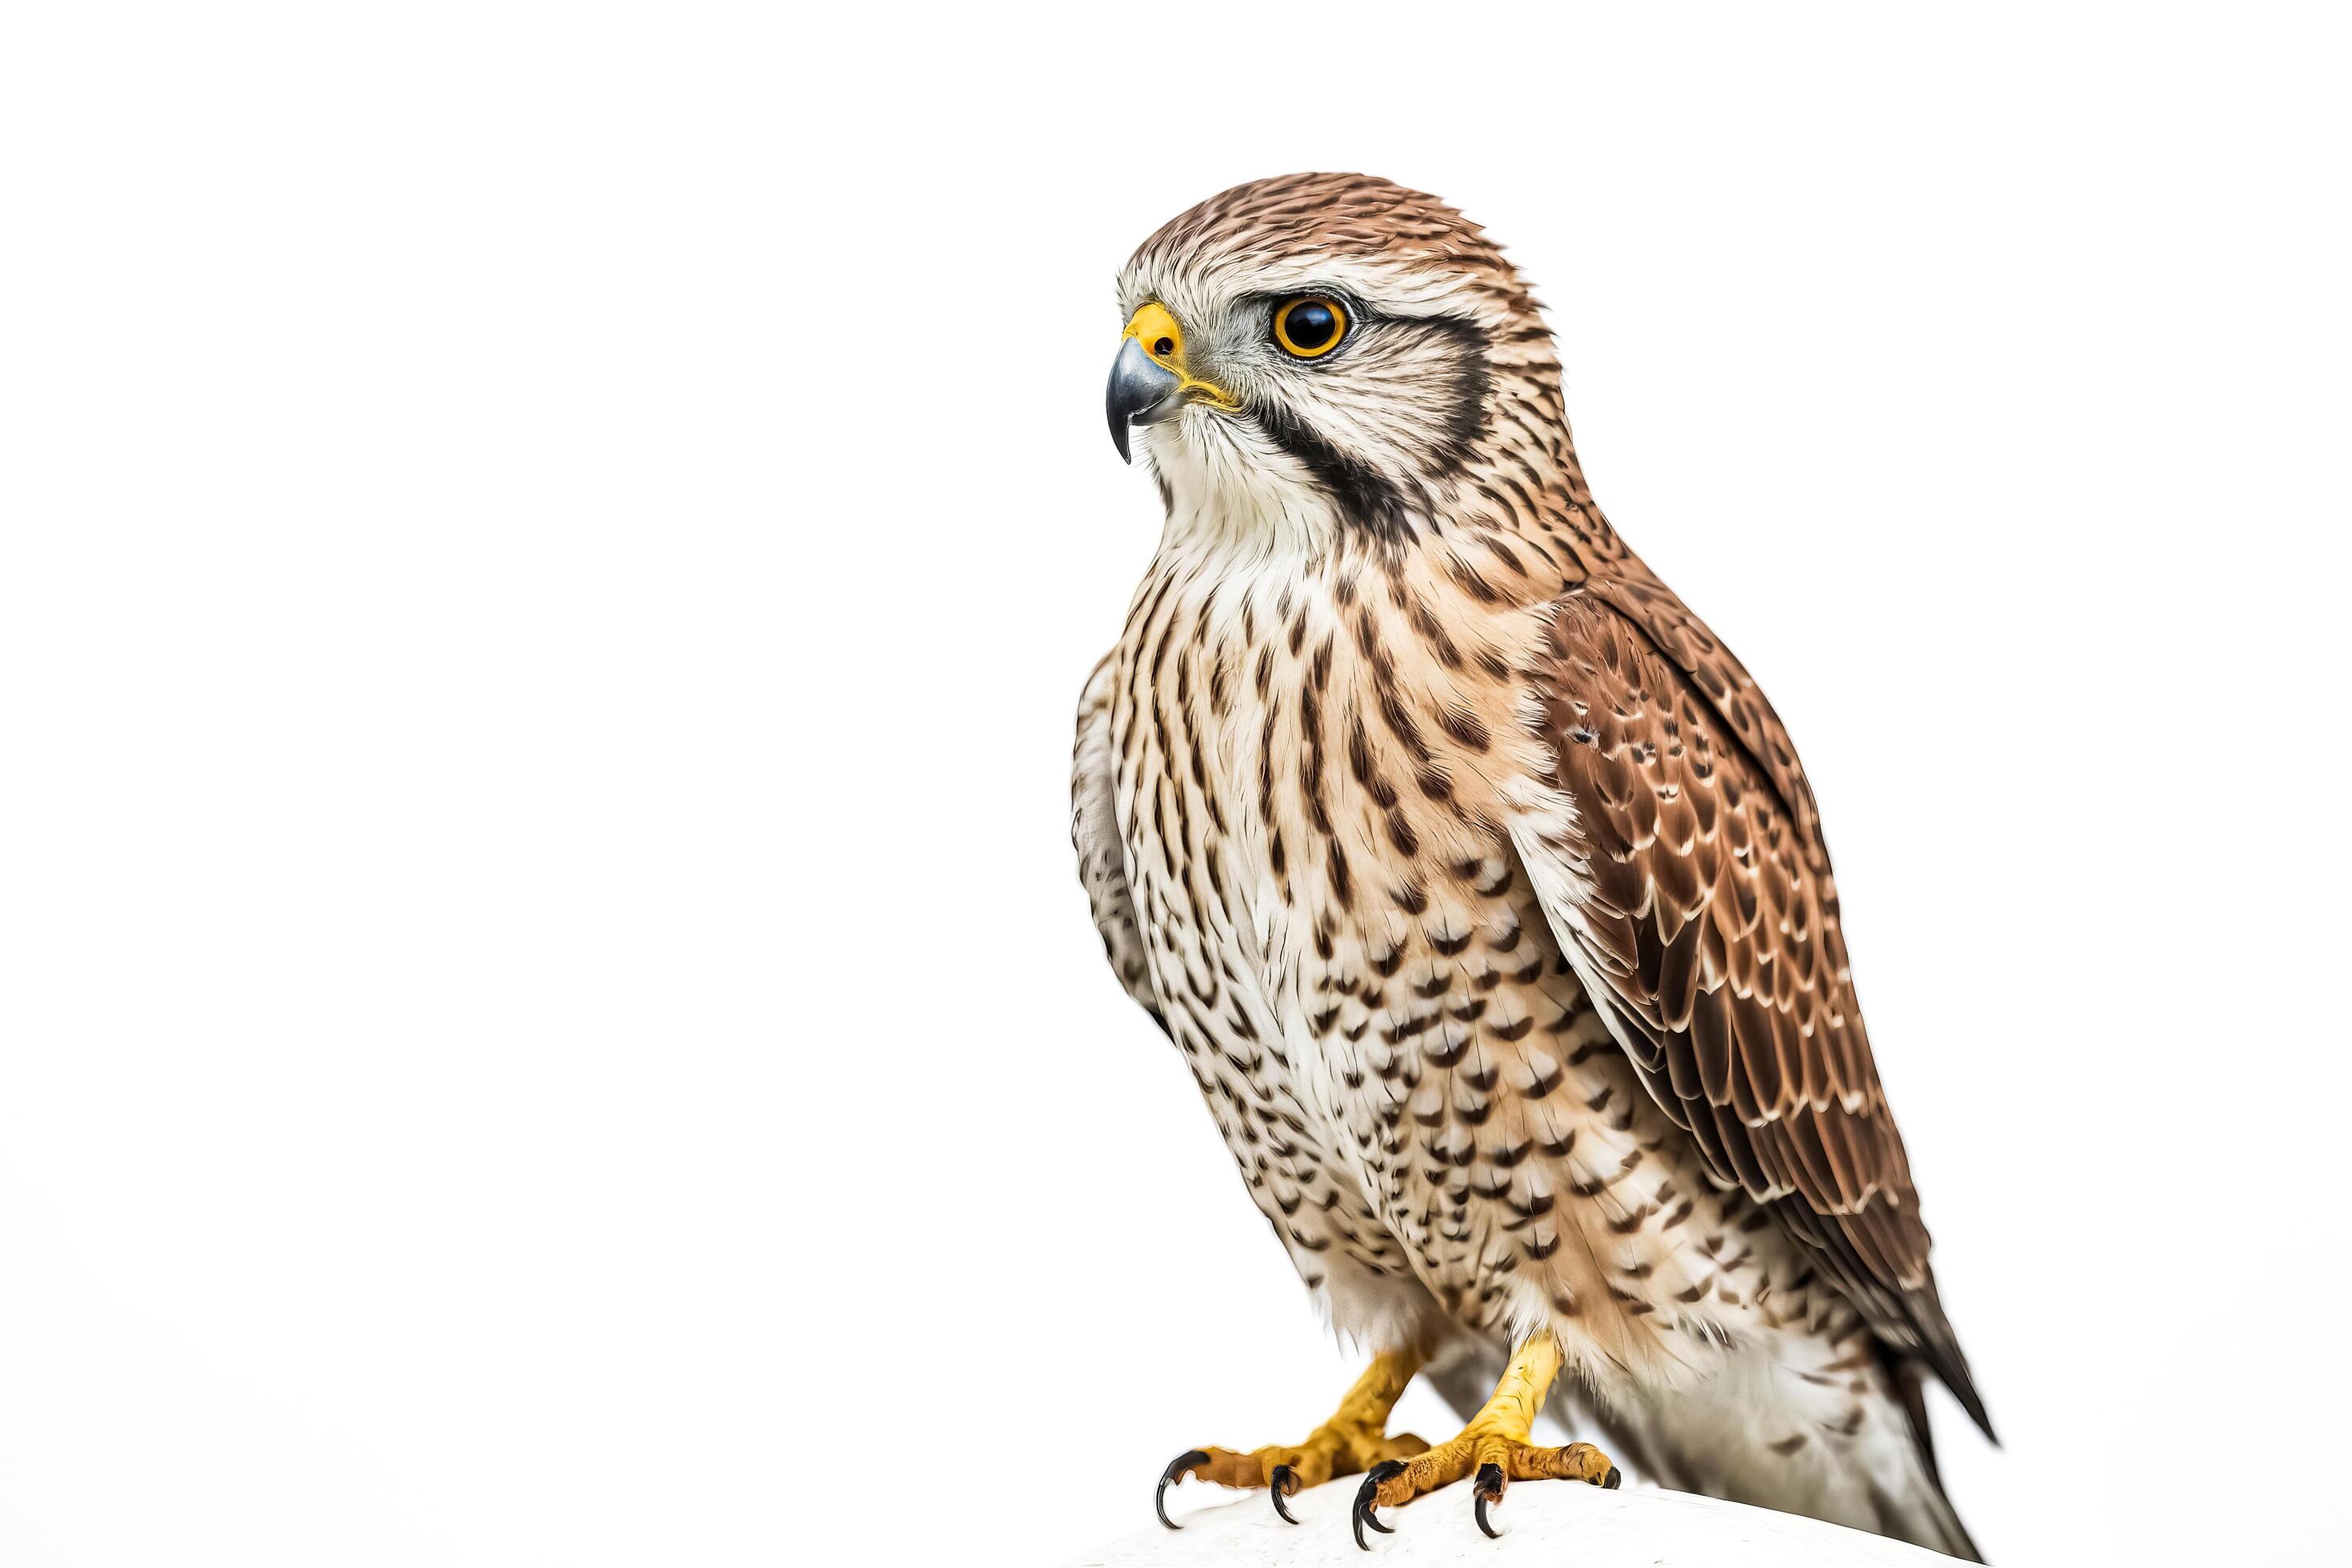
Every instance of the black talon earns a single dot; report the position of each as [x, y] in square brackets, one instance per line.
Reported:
[1486, 1489]
[1284, 1483]
[1613, 1479]
[1168, 1476]
[1387, 1469]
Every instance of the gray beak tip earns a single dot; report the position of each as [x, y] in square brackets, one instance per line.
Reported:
[1139, 391]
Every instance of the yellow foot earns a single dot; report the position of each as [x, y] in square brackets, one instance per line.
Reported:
[1494, 1460]
[1493, 1449]
[1354, 1441]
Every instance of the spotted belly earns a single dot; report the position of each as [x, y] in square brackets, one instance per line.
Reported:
[1227, 1023]
[1311, 800]
[1427, 1099]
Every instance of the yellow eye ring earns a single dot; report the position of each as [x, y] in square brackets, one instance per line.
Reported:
[1309, 326]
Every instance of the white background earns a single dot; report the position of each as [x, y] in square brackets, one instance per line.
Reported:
[549, 552]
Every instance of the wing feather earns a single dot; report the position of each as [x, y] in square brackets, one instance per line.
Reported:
[1704, 911]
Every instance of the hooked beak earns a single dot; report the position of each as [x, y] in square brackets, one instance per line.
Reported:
[1148, 382]
[1141, 393]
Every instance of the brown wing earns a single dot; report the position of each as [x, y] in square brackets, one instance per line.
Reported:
[1704, 915]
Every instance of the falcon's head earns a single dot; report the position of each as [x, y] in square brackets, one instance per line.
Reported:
[1332, 350]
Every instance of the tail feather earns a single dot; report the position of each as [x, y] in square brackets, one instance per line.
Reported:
[1726, 1437]
[1697, 1438]
[1910, 1387]
[1924, 1515]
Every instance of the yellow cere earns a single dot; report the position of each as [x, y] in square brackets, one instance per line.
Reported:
[1155, 327]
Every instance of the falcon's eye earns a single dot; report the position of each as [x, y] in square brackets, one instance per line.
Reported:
[1310, 327]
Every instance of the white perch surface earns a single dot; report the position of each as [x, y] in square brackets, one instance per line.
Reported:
[1545, 1524]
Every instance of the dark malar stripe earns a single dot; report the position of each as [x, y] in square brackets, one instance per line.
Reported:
[1367, 498]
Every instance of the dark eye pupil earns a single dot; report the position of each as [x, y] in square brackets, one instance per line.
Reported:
[1310, 324]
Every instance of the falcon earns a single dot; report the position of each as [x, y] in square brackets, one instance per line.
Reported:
[1484, 895]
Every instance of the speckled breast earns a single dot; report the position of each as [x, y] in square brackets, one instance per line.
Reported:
[1362, 981]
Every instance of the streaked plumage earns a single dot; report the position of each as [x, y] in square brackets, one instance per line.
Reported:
[1482, 890]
